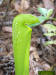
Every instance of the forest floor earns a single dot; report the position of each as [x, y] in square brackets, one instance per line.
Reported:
[41, 57]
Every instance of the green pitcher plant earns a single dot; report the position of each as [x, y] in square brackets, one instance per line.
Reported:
[21, 41]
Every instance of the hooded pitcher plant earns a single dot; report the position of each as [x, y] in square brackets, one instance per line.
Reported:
[21, 42]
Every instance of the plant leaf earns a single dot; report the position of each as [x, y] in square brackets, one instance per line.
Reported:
[49, 34]
[50, 27]
[43, 11]
[50, 42]
[42, 18]
[49, 13]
